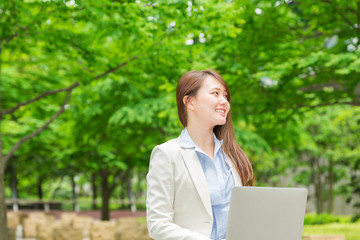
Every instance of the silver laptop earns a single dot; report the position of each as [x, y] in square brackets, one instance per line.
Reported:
[266, 213]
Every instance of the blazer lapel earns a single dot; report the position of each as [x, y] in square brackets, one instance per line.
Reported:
[198, 177]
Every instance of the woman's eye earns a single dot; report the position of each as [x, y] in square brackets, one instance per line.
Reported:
[216, 93]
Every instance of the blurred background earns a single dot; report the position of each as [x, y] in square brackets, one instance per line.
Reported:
[88, 89]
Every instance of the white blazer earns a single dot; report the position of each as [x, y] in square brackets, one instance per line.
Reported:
[178, 204]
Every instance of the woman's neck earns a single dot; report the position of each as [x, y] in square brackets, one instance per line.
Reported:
[203, 138]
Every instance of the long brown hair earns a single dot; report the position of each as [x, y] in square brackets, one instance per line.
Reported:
[188, 85]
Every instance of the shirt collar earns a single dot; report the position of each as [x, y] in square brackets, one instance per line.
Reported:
[187, 142]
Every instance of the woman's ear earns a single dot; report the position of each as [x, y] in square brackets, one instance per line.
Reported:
[188, 102]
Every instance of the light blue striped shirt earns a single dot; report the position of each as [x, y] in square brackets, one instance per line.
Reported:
[219, 181]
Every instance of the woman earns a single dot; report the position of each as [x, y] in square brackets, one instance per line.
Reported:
[190, 178]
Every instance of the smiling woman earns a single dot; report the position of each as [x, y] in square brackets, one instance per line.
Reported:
[209, 107]
[191, 177]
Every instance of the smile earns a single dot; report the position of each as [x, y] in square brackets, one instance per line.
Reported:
[219, 110]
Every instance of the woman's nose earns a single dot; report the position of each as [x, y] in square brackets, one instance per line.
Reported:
[223, 100]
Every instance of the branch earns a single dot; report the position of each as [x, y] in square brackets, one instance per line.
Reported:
[358, 18]
[325, 104]
[8, 39]
[298, 106]
[136, 57]
[1, 146]
[341, 13]
[162, 131]
[143, 53]
[37, 98]
[357, 92]
[118, 176]
[352, 10]
[39, 130]
[115, 68]
[345, 18]
[319, 87]
[357, 89]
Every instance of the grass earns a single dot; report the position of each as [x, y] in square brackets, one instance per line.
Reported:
[351, 231]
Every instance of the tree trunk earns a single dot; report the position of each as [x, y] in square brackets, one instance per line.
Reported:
[39, 188]
[13, 180]
[123, 195]
[105, 195]
[316, 179]
[94, 191]
[73, 186]
[4, 233]
[130, 192]
[331, 186]
[320, 187]
[13, 185]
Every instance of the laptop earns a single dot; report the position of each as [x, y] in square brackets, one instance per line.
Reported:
[266, 213]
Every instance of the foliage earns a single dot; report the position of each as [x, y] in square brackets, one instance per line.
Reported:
[349, 230]
[281, 59]
[325, 218]
[330, 155]
[355, 218]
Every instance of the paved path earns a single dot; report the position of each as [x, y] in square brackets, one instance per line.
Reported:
[97, 214]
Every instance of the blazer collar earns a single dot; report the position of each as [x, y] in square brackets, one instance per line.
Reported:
[237, 179]
[186, 142]
[196, 172]
[197, 175]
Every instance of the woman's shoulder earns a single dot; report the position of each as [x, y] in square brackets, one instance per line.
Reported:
[169, 146]
[165, 153]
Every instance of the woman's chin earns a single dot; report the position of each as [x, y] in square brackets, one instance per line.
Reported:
[220, 123]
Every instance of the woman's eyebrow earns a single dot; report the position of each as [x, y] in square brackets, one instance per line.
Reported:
[217, 88]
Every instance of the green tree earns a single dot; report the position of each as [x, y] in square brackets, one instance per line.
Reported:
[26, 78]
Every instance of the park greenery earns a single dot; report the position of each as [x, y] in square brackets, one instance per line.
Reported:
[350, 231]
[87, 89]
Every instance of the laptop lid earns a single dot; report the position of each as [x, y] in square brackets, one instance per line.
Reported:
[266, 213]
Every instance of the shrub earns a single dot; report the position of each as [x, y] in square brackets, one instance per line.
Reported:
[324, 218]
[355, 218]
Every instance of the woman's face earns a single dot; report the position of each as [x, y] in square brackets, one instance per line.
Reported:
[210, 105]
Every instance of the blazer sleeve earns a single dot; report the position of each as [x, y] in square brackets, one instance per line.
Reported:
[160, 198]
